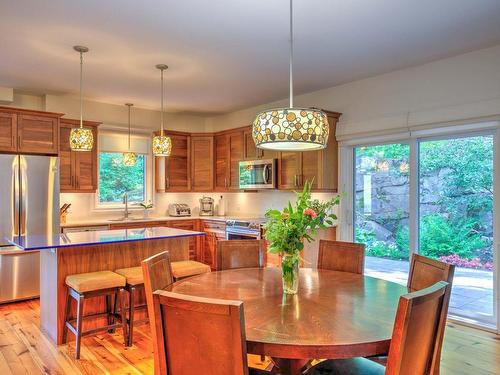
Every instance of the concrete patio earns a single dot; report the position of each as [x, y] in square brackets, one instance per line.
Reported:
[471, 296]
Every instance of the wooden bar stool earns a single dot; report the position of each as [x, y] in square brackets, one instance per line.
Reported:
[89, 285]
[134, 284]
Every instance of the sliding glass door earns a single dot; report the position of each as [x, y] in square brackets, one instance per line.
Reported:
[455, 207]
[382, 208]
[437, 195]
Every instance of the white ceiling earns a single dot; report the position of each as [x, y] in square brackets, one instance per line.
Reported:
[227, 54]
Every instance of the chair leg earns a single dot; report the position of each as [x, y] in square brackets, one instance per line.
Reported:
[67, 318]
[132, 292]
[79, 318]
[123, 314]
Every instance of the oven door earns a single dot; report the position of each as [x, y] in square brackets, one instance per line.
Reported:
[257, 174]
[234, 234]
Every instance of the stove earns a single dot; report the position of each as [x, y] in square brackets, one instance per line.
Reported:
[243, 229]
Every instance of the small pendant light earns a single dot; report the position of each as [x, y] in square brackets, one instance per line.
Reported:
[291, 129]
[81, 139]
[162, 144]
[129, 157]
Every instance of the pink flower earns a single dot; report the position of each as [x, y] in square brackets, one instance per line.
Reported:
[310, 212]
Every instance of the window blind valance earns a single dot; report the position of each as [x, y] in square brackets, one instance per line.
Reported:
[118, 142]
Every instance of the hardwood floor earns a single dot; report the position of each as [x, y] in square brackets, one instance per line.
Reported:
[25, 350]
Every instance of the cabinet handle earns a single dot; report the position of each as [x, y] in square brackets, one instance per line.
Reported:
[168, 183]
[77, 182]
[295, 181]
[225, 182]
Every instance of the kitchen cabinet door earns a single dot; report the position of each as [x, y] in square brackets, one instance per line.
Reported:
[221, 150]
[8, 132]
[37, 134]
[177, 166]
[289, 169]
[202, 163]
[66, 160]
[252, 152]
[193, 241]
[235, 141]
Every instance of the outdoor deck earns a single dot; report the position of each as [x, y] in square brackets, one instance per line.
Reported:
[471, 295]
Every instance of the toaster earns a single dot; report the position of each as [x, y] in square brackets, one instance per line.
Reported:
[179, 209]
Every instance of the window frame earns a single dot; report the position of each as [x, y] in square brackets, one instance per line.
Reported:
[148, 179]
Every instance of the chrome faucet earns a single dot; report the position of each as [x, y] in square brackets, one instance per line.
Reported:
[125, 202]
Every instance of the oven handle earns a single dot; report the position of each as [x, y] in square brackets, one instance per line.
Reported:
[242, 233]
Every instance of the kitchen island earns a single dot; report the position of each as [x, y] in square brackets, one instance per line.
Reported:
[73, 253]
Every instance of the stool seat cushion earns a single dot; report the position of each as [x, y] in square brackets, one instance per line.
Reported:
[132, 274]
[185, 268]
[91, 281]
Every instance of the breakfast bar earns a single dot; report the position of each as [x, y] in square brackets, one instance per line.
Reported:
[74, 253]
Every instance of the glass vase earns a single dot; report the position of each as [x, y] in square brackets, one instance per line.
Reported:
[290, 274]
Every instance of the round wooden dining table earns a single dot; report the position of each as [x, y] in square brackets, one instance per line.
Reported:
[333, 315]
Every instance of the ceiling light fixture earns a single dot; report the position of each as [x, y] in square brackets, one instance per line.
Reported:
[81, 139]
[291, 129]
[129, 157]
[162, 144]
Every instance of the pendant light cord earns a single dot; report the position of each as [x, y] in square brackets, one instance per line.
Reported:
[291, 53]
[161, 118]
[81, 89]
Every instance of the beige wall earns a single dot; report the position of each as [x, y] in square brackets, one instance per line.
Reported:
[458, 88]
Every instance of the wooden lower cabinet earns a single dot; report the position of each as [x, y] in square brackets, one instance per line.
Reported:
[215, 231]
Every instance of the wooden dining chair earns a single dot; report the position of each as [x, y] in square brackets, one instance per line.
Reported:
[425, 272]
[157, 273]
[200, 335]
[415, 337]
[232, 254]
[341, 256]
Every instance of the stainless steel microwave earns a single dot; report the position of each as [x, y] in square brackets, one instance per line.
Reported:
[258, 174]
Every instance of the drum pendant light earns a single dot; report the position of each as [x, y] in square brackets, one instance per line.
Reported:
[291, 129]
[81, 139]
[162, 144]
[129, 157]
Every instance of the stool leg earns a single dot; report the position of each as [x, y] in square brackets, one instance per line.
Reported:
[131, 313]
[110, 310]
[67, 318]
[123, 314]
[79, 318]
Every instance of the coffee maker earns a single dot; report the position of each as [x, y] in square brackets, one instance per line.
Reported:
[206, 206]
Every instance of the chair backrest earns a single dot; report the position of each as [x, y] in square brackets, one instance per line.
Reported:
[157, 273]
[425, 272]
[341, 256]
[419, 319]
[233, 254]
[200, 335]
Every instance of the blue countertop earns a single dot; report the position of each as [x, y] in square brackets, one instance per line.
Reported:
[41, 242]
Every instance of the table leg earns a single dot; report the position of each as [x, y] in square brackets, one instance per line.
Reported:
[290, 366]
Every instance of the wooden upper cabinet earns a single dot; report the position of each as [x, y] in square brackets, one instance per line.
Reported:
[29, 132]
[229, 150]
[8, 132]
[38, 134]
[77, 170]
[202, 163]
[177, 165]
[221, 151]
[294, 168]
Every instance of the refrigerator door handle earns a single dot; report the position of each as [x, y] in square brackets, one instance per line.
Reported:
[15, 198]
[24, 182]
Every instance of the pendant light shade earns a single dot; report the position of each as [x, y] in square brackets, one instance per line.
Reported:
[81, 139]
[129, 157]
[291, 129]
[162, 144]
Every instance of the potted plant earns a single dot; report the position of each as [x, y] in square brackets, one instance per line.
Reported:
[286, 231]
[147, 207]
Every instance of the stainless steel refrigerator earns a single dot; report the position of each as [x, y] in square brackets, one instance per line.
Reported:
[29, 205]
